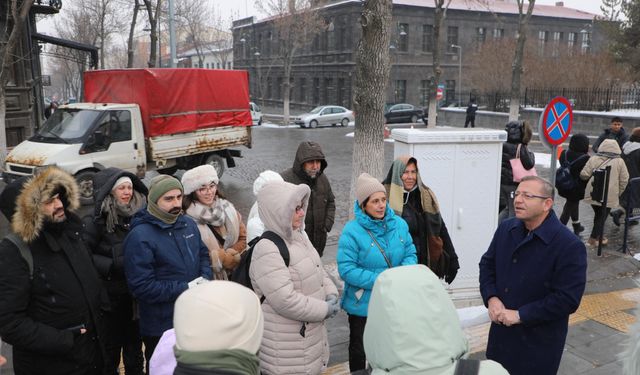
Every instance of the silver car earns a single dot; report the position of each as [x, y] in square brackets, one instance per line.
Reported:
[325, 115]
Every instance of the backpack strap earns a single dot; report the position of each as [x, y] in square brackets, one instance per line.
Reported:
[282, 247]
[467, 367]
[24, 249]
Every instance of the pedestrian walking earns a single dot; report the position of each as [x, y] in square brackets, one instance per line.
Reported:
[576, 156]
[118, 195]
[631, 157]
[615, 132]
[219, 223]
[308, 168]
[298, 298]
[163, 256]
[412, 200]
[50, 109]
[519, 135]
[375, 240]
[413, 327]
[51, 303]
[472, 108]
[255, 226]
[532, 278]
[608, 155]
[199, 344]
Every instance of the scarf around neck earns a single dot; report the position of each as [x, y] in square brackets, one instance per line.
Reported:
[221, 214]
[236, 360]
[114, 211]
[161, 215]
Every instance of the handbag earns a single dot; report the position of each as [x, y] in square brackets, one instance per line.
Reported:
[386, 259]
[518, 169]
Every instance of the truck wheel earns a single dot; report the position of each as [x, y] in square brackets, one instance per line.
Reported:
[313, 124]
[217, 161]
[85, 185]
[414, 119]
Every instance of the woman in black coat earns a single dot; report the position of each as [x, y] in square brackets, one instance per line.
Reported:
[518, 133]
[118, 196]
[631, 157]
[578, 155]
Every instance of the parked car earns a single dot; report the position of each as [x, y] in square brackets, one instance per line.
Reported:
[256, 113]
[402, 112]
[325, 115]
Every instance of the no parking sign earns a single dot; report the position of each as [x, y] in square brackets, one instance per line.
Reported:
[555, 126]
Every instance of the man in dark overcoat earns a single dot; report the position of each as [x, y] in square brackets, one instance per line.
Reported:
[532, 278]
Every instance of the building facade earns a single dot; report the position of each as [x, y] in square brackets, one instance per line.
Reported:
[324, 70]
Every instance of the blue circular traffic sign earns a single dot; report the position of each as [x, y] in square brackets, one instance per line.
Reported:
[557, 120]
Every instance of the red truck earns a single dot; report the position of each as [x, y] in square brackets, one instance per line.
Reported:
[142, 119]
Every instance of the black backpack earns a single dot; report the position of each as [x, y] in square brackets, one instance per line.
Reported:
[241, 274]
[564, 179]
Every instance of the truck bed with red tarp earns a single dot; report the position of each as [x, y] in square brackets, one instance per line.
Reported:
[175, 100]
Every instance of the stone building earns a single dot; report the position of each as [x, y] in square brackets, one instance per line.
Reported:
[324, 70]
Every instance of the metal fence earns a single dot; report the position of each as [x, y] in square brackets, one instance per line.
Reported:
[595, 99]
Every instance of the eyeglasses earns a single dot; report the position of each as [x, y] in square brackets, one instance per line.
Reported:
[527, 196]
[206, 189]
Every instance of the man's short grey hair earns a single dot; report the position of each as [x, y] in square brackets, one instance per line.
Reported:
[547, 189]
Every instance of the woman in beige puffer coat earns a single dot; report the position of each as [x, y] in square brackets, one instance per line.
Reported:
[608, 155]
[297, 299]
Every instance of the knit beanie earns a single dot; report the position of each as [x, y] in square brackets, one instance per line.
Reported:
[263, 178]
[218, 315]
[367, 185]
[122, 180]
[161, 184]
[195, 178]
[579, 143]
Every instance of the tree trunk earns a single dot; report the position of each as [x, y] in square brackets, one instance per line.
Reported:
[372, 78]
[153, 35]
[436, 69]
[287, 89]
[3, 127]
[134, 20]
[516, 66]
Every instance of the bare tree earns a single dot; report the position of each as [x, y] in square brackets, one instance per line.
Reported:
[13, 31]
[296, 23]
[193, 17]
[105, 21]
[518, 57]
[153, 11]
[132, 28]
[440, 14]
[372, 77]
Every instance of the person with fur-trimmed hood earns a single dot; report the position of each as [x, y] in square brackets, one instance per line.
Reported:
[51, 312]
[219, 223]
[412, 200]
[308, 168]
[118, 195]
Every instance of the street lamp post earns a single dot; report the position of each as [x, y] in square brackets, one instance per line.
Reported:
[459, 73]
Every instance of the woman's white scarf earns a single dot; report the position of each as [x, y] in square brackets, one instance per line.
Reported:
[221, 214]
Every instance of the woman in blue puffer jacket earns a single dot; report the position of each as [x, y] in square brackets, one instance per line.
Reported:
[377, 239]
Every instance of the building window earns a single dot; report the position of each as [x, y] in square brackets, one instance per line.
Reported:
[450, 91]
[427, 38]
[316, 91]
[481, 35]
[586, 41]
[452, 37]
[341, 39]
[403, 37]
[341, 91]
[267, 47]
[302, 82]
[543, 38]
[229, 65]
[401, 91]
[571, 40]
[557, 39]
[424, 92]
[498, 33]
[328, 87]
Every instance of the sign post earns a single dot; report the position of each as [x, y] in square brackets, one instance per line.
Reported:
[440, 92]
[554, 128]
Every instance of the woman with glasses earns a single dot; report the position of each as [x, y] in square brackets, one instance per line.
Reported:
[375, 240]
[220, 224]
[299, 295]
[412, 200]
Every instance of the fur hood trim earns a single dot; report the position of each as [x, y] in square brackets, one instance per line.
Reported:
[28, 219]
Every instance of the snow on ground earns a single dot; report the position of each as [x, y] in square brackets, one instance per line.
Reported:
[276, 126]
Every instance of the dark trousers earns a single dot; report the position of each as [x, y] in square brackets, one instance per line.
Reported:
[570, 209]
[598, 220]
[357, 358]
[470, 120]
[123, 336]
[150, 343]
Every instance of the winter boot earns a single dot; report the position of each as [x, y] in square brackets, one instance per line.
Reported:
[577, 228]
[616, 215]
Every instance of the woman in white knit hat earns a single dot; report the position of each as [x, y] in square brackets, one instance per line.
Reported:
[375, 240]
[255, 226]
[219, 222]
